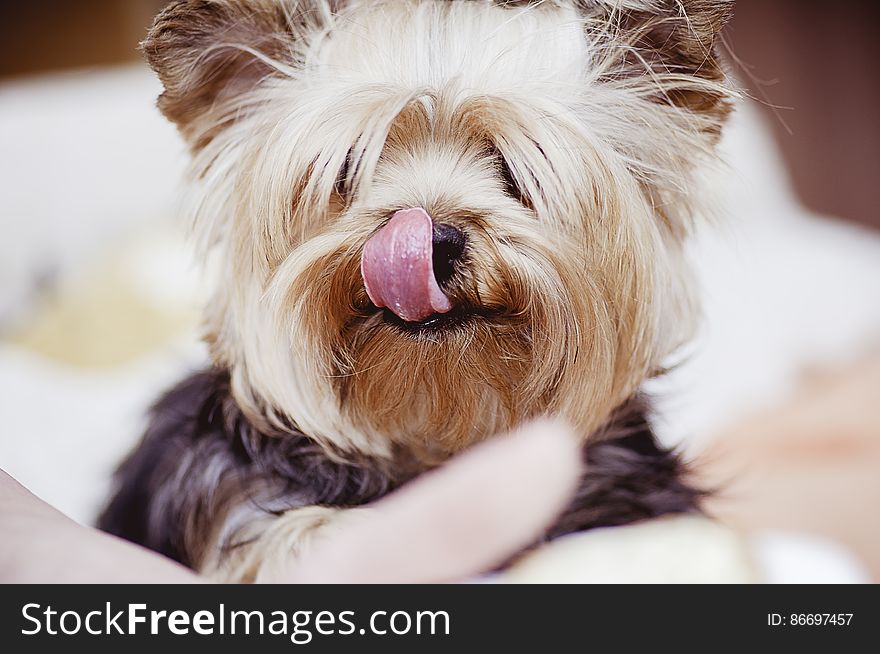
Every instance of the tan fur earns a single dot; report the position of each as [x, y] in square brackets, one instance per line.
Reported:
[265, 548]
[312, 122]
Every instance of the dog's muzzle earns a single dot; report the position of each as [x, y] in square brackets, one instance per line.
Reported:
[405, 262]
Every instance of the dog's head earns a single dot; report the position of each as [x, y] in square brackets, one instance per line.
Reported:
[436, 219]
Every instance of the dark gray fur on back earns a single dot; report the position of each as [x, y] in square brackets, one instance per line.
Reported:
[200, 458]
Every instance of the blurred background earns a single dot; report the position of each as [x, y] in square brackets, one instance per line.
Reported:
[787, 51]
[778, 400]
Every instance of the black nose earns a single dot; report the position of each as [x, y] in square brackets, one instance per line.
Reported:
[449, 245]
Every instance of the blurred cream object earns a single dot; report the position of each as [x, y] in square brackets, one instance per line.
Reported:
[684, 549]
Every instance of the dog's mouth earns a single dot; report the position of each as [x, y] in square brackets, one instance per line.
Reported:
[406, 263]
[417, 278]
[459, 317]
[464, 314]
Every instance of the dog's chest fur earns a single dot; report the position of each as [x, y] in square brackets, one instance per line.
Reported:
[201, 464]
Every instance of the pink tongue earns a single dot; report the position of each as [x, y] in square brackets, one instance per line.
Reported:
[398, 267]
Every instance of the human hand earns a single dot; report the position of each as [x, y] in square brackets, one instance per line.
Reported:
[451, 524]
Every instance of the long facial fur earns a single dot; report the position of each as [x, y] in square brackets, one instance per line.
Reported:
[563, 138]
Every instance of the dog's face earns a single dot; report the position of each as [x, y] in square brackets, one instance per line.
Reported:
[436, 219]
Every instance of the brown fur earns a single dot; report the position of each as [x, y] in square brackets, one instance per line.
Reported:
[194, 48]
[564, 139]
[209, 490]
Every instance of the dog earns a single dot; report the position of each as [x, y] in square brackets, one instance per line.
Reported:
[434, 220]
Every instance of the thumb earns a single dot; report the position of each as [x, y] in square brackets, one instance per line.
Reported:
[459, 520]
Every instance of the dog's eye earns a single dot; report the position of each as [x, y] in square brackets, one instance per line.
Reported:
[510, 185]
[342, 181]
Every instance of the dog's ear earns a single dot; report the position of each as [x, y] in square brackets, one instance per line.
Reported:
[209, 52]
[672, 44]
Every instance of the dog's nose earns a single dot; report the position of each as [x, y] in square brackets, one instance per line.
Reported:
[449, 242]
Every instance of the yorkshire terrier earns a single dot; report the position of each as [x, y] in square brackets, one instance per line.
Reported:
[435, 220]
